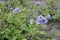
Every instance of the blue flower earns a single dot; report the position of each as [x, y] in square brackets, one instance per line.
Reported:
[48, 16]
[41, 20]
[16, 10]
[40, 17]
[44, 21]
[38, 2]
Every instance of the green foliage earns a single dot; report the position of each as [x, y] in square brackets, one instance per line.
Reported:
[16, 26]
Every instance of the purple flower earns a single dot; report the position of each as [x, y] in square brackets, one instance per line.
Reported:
[44, 21]
[16, 10]
[41, 20]
[48, 16]
[31, 21]
[40, 17]
[38, 2]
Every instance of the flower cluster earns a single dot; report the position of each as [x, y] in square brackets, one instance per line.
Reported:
[41, 19]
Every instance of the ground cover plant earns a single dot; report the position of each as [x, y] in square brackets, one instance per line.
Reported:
[26, 19]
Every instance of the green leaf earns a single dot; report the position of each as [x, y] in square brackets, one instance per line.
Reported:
[24, 39]
[14, 38]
